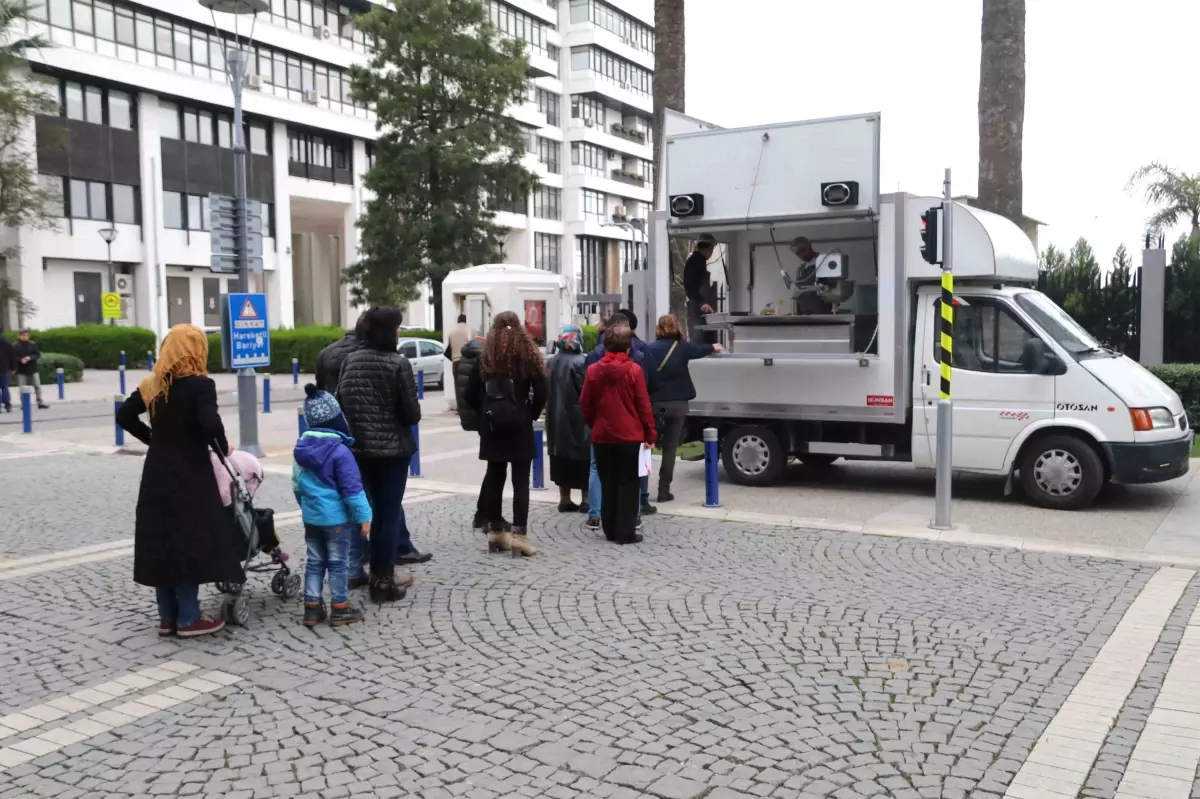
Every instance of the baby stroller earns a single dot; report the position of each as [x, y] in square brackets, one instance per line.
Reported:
[255, 534]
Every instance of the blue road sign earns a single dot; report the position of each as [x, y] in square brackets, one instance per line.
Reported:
[249, 336]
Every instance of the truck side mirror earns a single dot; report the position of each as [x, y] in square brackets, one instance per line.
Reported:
[1040, 360]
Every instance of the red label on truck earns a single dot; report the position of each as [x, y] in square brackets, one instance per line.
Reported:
[880, 401]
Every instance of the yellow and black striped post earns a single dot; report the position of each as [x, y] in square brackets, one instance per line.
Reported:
[947, 330]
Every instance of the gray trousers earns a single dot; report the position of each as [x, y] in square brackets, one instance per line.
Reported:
[675, 414]
[34, 380]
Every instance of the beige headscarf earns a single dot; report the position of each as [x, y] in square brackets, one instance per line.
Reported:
[184, 353]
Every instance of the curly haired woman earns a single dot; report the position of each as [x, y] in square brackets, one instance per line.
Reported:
[508, 391]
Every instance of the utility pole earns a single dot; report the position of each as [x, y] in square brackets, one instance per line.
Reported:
[945, 406]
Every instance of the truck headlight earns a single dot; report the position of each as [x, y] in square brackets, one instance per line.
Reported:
[1145, 419]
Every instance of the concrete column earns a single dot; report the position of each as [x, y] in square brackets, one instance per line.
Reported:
[1154, 291]
[281, 286]
[149, 279]
[25, 268]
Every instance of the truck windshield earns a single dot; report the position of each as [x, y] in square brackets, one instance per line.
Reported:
[1057, 323]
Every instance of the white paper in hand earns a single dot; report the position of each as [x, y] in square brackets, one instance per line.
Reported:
[644, 462]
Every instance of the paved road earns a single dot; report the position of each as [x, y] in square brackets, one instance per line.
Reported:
[716, 660]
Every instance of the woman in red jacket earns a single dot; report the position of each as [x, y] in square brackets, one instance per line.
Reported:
[617, 408]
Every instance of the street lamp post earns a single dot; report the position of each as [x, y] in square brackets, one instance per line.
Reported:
[236, 60]
[109, 235]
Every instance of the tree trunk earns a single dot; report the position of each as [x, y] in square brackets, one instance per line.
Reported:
[669, 88]
[1002, 107]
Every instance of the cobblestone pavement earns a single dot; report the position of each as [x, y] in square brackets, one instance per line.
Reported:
[714, 660]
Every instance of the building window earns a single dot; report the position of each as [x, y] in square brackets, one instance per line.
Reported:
[588, 159]
[595, 206]
[633, 256]
[548, 153]
[89, 103]
[587, 108]
[548, 104]
[331, 20]
[590, 253]
[547, 202]
[547, 252]
[169, 120]
[124, 204]
[197, 51]
[173, 210]
[53, 185]
[318, 157]
[634, 33]
[90, 199]
[612, 68]
[520, 207]
[641, 125]
[519, 25]
[205, 127]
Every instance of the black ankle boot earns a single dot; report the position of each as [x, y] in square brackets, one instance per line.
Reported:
[384, 589]
[314, 613]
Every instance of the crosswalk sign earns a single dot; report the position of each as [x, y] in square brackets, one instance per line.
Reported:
[248, 311]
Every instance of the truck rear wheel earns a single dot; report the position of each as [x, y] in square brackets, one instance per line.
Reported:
[753, 455]
[1061, 472]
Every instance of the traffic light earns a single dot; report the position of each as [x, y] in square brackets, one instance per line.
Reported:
[929, 235]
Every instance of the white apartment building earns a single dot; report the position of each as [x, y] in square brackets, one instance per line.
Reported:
[144, 135]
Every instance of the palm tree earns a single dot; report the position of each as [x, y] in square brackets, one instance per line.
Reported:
[1177, 194]
[669, 89]
[1002, 107]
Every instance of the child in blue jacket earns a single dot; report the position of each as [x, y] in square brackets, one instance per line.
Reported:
[334, 506]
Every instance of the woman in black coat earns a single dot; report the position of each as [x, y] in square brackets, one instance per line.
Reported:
[183, 537]
[570, 452]
[508, 391]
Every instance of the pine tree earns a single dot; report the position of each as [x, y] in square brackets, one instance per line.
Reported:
[24, 201]
[1118, 303]
[440, 81]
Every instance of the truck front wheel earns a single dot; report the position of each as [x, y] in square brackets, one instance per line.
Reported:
[753, 455]
[1061, 472]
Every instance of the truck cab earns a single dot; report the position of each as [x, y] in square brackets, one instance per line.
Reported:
[857, 374]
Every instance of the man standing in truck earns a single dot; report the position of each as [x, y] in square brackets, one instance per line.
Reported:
[698, 287]
[804, 286]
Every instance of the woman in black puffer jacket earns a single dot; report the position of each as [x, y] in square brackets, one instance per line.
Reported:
[378, 394]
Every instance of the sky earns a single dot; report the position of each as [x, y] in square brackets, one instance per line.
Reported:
[1107, 90]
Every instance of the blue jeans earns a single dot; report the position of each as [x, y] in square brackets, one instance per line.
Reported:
[328, 551]
[179, 604]
[384, 480]
[5, 397]
[593, 489]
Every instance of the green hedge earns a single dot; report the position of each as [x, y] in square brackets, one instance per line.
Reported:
[51, 362]
[1184, 378]
[98, 346]
[304, 343]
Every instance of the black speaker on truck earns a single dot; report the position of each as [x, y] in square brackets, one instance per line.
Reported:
[686, 205]
[839, 193]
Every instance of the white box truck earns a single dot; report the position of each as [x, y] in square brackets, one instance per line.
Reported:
[856, 375]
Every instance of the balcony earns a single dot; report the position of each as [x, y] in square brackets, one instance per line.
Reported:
[541, 65]
[602, 136]
[629, 134]
[586, 81]
[632, 178]
[528, 113]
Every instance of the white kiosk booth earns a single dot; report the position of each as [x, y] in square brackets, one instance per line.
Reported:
[538, 297]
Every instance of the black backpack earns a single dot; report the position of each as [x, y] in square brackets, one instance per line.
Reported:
[501, 411]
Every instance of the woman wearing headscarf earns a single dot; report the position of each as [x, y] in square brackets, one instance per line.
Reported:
[183, 538]
[570, 451]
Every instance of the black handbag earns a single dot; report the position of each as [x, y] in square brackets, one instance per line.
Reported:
[660, 416]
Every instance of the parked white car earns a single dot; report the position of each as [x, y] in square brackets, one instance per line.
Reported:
[428, 356]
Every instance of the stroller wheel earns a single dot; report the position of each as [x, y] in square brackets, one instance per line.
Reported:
[278, 586]
[222, 587]
[292, 585]
[237, 610]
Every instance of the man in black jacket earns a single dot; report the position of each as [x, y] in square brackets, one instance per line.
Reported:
[697, 284]
[28, 355]
[8, 362]
[330, 359]
[464, 365]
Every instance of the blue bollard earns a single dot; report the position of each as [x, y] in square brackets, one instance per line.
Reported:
[62, 382]
[121, 375]
[414, 466]
[122, 359]
[420, 384]
[301, 424]
[26, 409]
[120, 431]
[295, 371]
[711, 495]
[150, 359]
[539, 464]
[266, 393]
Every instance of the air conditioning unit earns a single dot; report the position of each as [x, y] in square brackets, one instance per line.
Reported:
[124, 285]
[624, 85]
[254, 82]
[323, 32]
[620, 212]
[311, 97]
[589, 123]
